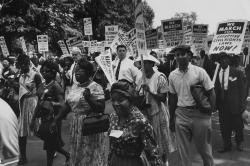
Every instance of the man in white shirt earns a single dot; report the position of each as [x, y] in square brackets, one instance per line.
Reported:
[8, 135]
[76, 55]
[190, 124]
[124, 67]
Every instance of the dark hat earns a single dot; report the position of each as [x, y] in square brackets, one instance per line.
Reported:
[184, 48]
[223, 55]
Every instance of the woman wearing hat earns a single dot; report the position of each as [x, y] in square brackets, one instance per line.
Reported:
[130, 133]
[155, 87]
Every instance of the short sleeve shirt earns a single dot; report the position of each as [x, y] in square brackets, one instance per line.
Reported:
[179, 83]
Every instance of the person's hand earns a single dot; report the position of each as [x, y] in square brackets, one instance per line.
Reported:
[146, 87]
[53, 127]
[32, 125]
[172, 125]
[246, 117]
[86, 93]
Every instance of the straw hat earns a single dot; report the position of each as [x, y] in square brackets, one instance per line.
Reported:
[148, 58]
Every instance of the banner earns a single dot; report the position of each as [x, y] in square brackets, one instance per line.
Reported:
[152, 38]
[105, 62]
[43, 43]
[172, 32]
[229, 37]
[246, 42]
[87, 26]
[110, 34]
[63, 47]
[4, 47]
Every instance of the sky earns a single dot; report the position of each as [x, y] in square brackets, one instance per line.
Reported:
[209, 12]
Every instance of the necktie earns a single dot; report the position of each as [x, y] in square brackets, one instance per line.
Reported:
[245, 59]
[118, 70]
[222, 84]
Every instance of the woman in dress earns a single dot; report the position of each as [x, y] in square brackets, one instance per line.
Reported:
[29, 81]
[85, 98]
[131, 135]
[155, 86]
[51, 109]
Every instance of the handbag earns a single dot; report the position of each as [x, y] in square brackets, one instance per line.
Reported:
[95, 123]
[44, 131]
[200, 96]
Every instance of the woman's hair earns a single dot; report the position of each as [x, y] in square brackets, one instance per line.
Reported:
[124, 88]
[87, 66]
[22, 59]
[51, 65]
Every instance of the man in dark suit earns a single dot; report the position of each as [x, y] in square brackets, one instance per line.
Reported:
[169, 65]
[230, 94]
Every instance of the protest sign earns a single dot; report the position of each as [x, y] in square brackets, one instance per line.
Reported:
[75, 42]
[110, 34]
[187, 37]
[161, 44]
[87, 26]
[199, 38]
[229, 37]
[93, 46]
[246, 42]
[43, 43]
[100, 46]
[152, 38]
[121, 38]
[4, 47]
[172, 32]
[63, 47]
[140, 35]
[132, 41]
[105, 62]
[86, 43]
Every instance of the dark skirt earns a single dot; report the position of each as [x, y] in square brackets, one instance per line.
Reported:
[125, 161]
[55, 142]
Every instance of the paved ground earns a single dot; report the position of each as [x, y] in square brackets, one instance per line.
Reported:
[36, 155]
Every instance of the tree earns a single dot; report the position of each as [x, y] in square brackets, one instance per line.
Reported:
[188, 18]
[111, 12]
[29, 18]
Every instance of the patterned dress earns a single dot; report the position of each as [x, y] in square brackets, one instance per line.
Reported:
[158, 114]
[27, 102]
[85, 150]
[135, 143]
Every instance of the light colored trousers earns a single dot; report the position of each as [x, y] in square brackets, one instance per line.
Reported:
[193, 127]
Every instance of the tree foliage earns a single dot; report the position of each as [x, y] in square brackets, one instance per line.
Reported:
[61, 19]
[188, 18]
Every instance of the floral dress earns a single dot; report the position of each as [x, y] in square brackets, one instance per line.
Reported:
[27, 102]
[158, 114]
[85, 150]
[134, 144]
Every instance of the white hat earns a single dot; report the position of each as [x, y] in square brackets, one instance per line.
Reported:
[148, 58]
[65, 56]
[76, 50]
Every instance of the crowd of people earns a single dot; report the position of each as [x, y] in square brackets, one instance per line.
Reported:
[155, 110]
